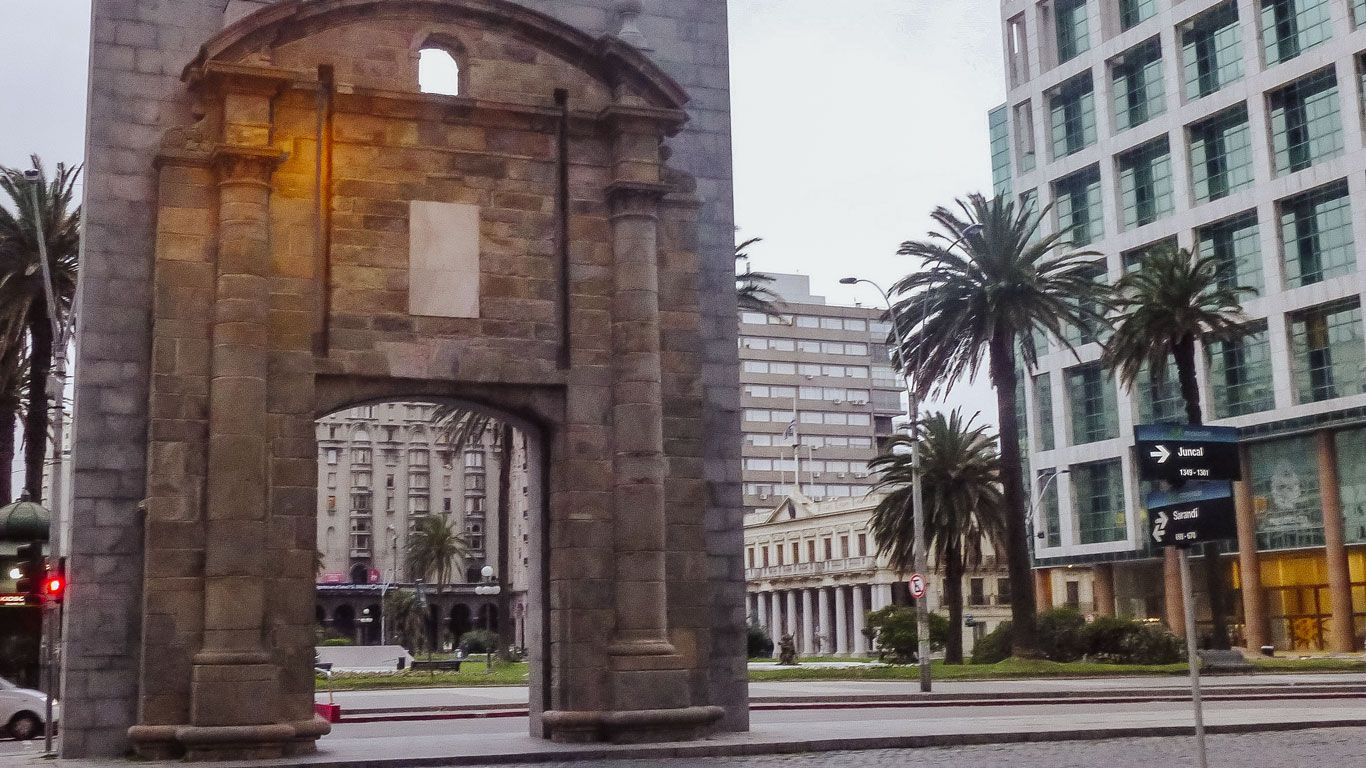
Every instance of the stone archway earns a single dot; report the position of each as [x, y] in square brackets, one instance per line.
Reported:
[327, 235]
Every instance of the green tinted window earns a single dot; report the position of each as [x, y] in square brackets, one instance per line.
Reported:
[1098, 497]
[1091, 397]
[1072, 116]
[1078, 205]
[1090, 330]
[1329, 352]
[1292, 26]
[1359, 12]
[1074, 29]
[1211, 51]
[999, 126]
[1043, 409]
[1133, 259]
[1285, 493]
[1221, 154]
[1048, 504]
[1235, 244]
[1133, 12]
[1351, 453]
[1139, 93]
[1305, 124]
[1145, 183]
[1159, 401]
[1316, 233]
[1240, 374]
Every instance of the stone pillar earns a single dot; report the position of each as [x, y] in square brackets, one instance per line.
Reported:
[1342, 635]
[1103, 588]
[1171, 580]
[808, 639]
[841, 624]
[791, 626]
[775, 622]
[1249, 562]
[1043, 588]
[882, 596]
[761, 611]
[823, 625]
[859, 642]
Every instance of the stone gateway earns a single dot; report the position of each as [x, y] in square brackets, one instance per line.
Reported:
[281, 223]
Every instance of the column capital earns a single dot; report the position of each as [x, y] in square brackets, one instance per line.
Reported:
[237, 164]
[636, 198]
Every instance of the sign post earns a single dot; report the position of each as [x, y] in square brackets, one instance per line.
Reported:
[1196, 463]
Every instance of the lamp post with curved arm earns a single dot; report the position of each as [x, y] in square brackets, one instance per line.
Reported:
[922, 608]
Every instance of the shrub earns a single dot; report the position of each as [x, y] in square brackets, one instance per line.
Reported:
[1060, 634]
[994, 646]
[1126, 641]
[337, 641]
[893, 632]
[760, 645]
[478, 641]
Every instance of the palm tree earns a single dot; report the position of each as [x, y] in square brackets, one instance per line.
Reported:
[1164, 309]
[22, 293]
[13, 365]
[985, 303]
[751, 288]
[406, 619]
[433, 546]
[964, 506]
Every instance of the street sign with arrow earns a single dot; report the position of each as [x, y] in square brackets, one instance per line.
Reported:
[1180, 453]
[1197, 513]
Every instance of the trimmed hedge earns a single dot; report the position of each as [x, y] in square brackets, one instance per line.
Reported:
[1064, 635]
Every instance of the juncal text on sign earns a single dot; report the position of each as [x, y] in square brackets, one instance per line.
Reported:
[1181, 453]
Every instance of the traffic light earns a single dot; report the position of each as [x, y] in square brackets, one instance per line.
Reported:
[54, 584]
[31, 572]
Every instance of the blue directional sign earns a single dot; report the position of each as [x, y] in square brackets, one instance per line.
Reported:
[1198, 512]
[1179, 453]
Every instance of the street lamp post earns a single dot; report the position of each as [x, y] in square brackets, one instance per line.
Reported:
[922, 609]
[491, 588]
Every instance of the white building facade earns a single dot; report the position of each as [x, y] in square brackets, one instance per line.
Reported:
[1233, 128]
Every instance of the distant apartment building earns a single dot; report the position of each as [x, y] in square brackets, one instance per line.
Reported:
[1233, 128]
[818, 394]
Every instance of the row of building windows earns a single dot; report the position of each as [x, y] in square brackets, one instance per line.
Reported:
[813, 491]
[762, 415]
[841, 468]
[811, 347]
[784, 553]
[877, 328]
[1286, 494]
[417, 503]
[825, 394]
[773, 367]
[391, 456]
[1328, 360]
[809, 441]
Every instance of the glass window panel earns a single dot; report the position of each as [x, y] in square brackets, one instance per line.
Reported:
[1359, 12]
[1098, 498]
[1078, 334]
[1145, 183]
[1285, 493]
[1073, 27]
[1351, 456]
[1043, 408]
[1078, 204]
[1327, 346]
[1234, 243]
[1316, 235]
[1134, 12]
[1133, 259]
[1092, 400]
[1240, 374]
[1290, 27]
[1048, 503]
[1305, 125]
[1138, 85]
[1159, 402]
[1211, 51]
[1221, 154]
[999, 126]
[1072, 115]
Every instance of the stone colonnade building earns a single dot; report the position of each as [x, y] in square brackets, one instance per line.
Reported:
[813, 572]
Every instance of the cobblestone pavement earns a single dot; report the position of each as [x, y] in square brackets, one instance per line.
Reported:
[1292, 749]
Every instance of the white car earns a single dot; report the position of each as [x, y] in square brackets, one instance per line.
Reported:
[21, 710]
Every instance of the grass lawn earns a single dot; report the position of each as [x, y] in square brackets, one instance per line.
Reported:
[1019, 668]
[471, 674]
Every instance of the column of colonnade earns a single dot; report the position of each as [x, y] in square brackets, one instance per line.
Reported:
[821, 620]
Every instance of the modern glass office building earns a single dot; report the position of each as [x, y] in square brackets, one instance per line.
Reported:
[1233, 128]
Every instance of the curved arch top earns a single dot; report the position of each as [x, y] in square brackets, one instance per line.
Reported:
[606, 58]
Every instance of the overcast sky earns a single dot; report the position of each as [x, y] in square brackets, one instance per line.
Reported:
[852, 119]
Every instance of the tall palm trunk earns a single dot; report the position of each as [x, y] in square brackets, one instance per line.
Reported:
[35, 423]
[1184, 353]
[505, 623]
[1023, 618]
[9, 418]
[953, 595]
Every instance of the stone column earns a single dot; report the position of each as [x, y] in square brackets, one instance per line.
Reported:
[882, 596]
[823, 625]
[1043, 588]
[1249, 562]
[841, 624]
[1171, 580]
[1342, 636]
[761, 611]
[860, 643]
[791, 625]
[638, 425]
[1103, 588]
[775, 621]
[808, 639]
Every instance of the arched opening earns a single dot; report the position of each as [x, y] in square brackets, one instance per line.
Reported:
[460, 620]
[438, 72]
[371, 621]
[488, 617]
[360, 574]
[344, 622]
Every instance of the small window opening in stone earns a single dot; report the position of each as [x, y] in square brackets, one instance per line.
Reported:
[437, 72]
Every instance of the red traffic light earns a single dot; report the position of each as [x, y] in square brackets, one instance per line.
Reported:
[54, 586]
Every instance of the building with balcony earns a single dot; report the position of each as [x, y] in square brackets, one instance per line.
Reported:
[1233, 128]
[818, 394]
[812, 571]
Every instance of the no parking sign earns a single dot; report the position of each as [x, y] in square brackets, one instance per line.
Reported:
[918, 586]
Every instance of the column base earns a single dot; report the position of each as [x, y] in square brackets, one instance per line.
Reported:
[229, 742]
[633, 727]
